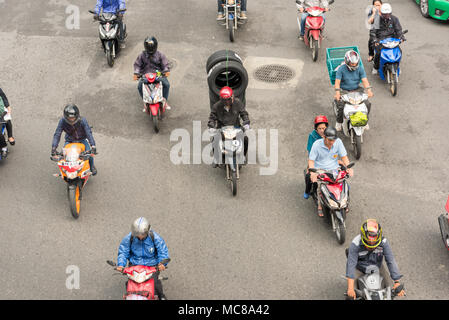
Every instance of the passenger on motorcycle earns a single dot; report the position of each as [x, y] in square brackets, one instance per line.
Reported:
[321, 123]
[367, 249]
[227, 112]
[112, 6]
[302, 5]
[77, 130]
[347, 79]
[221, 11]
[149, 61]
[385, 26]
[144, 247]
[324, 155]
[5, 106]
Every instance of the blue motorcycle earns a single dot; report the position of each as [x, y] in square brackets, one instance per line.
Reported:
[390, 58]
[3, 131]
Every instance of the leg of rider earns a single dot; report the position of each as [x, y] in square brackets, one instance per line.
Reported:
[139, 87]
[308, 183]
[121, 28]
[158, 286]
[303, 22]
[2, 142]
[166, 87]
[386, 275]
[243, 5]
[91, 159]
[9, 129]
[377, 60]
[340, 107]
[220, 6]
[371, 46]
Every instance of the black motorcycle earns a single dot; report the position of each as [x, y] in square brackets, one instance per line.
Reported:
[109, 34]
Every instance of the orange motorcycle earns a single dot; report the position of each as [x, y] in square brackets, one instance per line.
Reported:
[74, 169]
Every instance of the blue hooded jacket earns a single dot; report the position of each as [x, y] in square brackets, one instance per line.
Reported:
[142, 251]
[109, 6]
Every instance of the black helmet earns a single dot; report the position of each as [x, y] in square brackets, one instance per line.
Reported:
[150, 45]
[71, 114]
[330, 133]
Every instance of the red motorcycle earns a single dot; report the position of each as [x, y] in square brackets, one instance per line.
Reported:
[334, 197]
[140, 285]
[443, 220]
[313, 33]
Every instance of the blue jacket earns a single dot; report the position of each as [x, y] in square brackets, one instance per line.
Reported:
[142, 252]
[109, 6]
[313, 136]
[76, 133]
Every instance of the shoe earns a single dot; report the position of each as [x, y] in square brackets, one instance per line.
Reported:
[13, 142]
[320, 213]
[162, 297]
[220, 16]
[243, 15]
[93, 170]
[4, 153]
[374, 71]
[122, 45]
[338, 126]
[301, 38]
[167, 107]
[370, 58]
[306, 196]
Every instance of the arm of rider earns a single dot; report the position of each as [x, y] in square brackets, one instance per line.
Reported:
[135, 77]
[313, 175]
[351, 292]
[365, 83]
[160, 267]
[120, 269]
[346, 162]
[337, 89]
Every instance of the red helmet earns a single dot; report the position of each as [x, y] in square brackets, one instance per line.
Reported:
[226, 93]
[321, 119]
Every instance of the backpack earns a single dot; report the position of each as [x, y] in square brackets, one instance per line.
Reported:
[152, 238]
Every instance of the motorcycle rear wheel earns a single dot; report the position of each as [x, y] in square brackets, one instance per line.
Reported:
[314, 49]
[234, 183]
[356, 144]
[231, 29]
[340, 232]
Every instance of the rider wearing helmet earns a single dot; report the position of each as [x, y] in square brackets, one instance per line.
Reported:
[347, 79]
[367, 249]
[77, 130]
[325, 154]
[227, 112]
[302, 5]
[385, 26]
[145, 247]
[149, 61]
[113, 6]
[221, 11]
[321, 123]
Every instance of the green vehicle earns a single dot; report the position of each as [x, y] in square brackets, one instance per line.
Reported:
[437, 9]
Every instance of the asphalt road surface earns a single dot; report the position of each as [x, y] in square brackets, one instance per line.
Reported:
[267, 243]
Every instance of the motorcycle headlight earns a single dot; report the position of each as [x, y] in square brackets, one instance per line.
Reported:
[140, 277]
[72, 175]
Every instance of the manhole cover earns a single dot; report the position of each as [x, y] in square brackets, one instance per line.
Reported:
[274, 73]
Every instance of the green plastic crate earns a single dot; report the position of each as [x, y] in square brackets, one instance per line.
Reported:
[335, 56]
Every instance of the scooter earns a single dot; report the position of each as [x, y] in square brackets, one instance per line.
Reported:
[390, 59]
[334, 197]
[153, 100]
[140, 285]
[355, 119]
[74, 169]
[109, 31]
[370, 286]
[443, 221]
[314, 27]
[3, 120]
[232, 15]
[231, 153]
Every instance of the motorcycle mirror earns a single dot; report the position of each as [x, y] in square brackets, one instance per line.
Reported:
[91, 11]
[350, 165]
[398, 289]
[298, 1]
[331, 1]
[111, 263]
[404, 32]
[123, 10]
[165, 261]
[313, 170]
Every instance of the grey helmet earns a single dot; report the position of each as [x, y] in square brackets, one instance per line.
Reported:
[352, 56]
[140, 227]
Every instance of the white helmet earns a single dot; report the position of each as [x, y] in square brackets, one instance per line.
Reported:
[140, 227]
[386, 8]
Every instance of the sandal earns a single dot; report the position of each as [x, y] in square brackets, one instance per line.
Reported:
[320, 213]
[370, 58]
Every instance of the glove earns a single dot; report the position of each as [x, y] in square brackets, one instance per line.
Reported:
[94, 150]
[246, 127]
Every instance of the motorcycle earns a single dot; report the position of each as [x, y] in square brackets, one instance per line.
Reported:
[355, 119]
[74, 169]
[109, 30]
[334, 197]
[314, 27]
[371, 286]
[3, 119]
[232, 15]
[140, 285]
[231, 152]
[153, 100]
[390, 58]
[443, 221]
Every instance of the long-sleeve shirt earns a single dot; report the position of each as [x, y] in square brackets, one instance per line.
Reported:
[146, 63]
[76, 133]
[386, 28]
[219, 117]
[4, 99]
[109, 6]
[359, 257]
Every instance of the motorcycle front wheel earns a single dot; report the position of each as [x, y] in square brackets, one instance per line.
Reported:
[109, 58]
[314, 48]
[234, 183]
[340, 231]
[394, 84]
[156, 120]
[74, 200]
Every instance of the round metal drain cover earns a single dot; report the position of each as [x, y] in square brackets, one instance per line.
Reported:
[274, 73]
